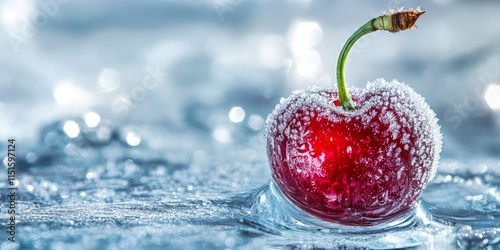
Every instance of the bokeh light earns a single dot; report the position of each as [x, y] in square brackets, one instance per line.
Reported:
[92, 119]
[492, 96]
[308, 63]
[15, 15]
[304, 35]
[68, 93]
[133, 138]
[237, 114]
[72, 129]
[271, 51]
[222, 135]
[109, 79]
[255, 122]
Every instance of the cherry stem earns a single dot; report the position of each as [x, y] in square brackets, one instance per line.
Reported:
[393, 22]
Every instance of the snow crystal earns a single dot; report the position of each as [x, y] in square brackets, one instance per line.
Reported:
[408, 109]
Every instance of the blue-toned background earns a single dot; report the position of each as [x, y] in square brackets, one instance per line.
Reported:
[121, 107]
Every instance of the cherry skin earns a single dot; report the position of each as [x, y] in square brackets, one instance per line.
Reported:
[356, 168]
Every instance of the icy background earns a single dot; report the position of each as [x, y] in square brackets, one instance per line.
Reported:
[139, 124]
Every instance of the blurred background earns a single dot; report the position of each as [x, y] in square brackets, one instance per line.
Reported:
[161, 100]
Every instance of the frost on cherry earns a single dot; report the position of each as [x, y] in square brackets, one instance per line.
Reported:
[359, 167]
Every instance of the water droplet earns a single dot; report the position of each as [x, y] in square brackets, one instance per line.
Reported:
[349, 150]
[382, 198]
[365, 140]
[303, 147]
[262, 198]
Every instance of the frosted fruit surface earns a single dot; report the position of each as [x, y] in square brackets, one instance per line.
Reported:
[356, 168]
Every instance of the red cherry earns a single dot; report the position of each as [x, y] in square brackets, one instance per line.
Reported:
[358, 163]
[361, 167]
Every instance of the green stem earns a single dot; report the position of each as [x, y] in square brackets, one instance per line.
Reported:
[345, 100]
[393, 22]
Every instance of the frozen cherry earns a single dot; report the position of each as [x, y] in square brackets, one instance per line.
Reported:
[360, 162]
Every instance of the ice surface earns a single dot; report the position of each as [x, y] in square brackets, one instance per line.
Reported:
[157, 196]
